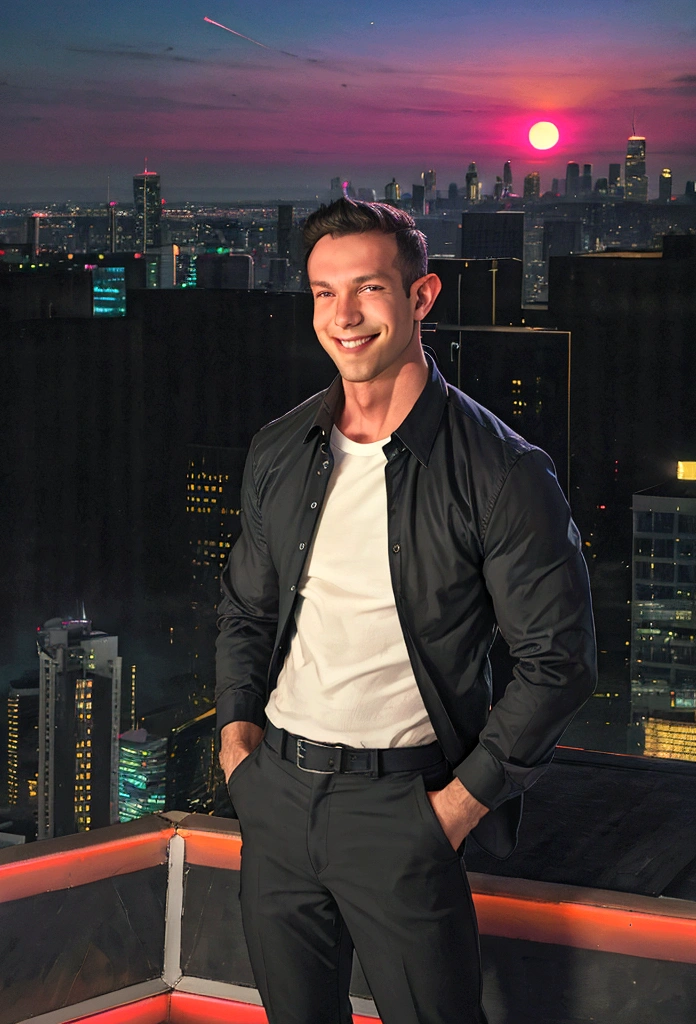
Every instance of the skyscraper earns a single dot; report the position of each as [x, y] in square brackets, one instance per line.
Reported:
[572, 180]
[429, 179]
[22, 746]
[79, 718]
[532, 185]
[614, 177]
[586, 180]
[634, 172]
[507, 178]
[142, 774]
[392, 191]
[473, 187]
[665, 186]
[148, 210]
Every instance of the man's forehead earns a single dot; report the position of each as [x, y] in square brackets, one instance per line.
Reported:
[358, 256]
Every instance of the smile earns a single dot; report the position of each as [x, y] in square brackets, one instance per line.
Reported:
[355, 342]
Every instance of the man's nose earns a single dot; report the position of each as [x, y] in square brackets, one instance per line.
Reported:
[347, 311]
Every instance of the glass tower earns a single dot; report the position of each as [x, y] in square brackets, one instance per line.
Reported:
[636, 180]
[148, 210]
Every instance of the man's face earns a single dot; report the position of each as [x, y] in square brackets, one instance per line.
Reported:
[362, 315]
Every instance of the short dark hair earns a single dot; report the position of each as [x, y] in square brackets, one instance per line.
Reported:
[354, 217]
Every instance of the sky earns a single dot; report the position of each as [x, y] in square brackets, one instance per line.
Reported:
[366, 91]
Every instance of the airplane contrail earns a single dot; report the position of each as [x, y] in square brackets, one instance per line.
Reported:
[248, 38]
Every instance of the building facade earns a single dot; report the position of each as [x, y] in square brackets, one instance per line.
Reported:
[635, 178]
[148, 210]
[79, 718]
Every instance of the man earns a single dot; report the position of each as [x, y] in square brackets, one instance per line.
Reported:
[390, 526]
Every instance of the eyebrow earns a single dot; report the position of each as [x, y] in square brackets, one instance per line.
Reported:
[378, 275]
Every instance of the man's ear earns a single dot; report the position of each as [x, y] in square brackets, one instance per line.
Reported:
[427, 290]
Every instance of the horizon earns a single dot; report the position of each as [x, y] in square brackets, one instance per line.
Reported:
[288, 98]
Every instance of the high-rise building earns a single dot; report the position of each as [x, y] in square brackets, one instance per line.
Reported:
[614, 177]
[142, 774]
[392, 191]
[532, 185]
[367, 195]
[418, 200]
[636, 180]
[496, 235]
[507, 178]
[586, 180]
[663, 605]
[601, 186]
[429, 179]
[473, 186]
[557, 185]
[22, 746]
[665, 192]
[79, 718]
[148, 210]
[572, 180]
[284, 229]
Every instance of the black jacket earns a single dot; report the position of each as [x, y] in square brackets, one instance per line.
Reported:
[480, 537]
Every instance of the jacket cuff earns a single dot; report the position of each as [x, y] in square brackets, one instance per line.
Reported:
[483, 776]
[239, 706]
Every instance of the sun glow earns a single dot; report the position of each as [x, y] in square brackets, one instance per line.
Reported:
[543, 135]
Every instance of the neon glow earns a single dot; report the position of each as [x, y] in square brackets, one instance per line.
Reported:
[544, 135]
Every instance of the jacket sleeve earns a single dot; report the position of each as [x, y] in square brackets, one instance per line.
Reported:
[536, 575]
[247, 617]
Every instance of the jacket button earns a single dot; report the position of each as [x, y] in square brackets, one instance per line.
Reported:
[325, 465]
[313, 505]
[292, 587]
[302, 546]
[396, 548]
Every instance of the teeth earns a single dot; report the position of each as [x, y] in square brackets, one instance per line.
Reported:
[356, 343]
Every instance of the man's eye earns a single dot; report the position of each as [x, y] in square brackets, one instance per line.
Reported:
[372, 288]
[321, 295]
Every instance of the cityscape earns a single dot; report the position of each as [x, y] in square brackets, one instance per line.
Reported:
[155, 313]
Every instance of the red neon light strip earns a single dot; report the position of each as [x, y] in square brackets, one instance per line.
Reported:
[151, 1010]
[78, 866]
[212, 849]
[581, 925]
[188, 1008]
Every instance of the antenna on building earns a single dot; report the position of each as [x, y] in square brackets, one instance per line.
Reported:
[633, 122]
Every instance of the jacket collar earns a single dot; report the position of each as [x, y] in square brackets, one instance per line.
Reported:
[418, 430]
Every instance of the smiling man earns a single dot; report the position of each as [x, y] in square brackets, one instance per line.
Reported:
[390, 526]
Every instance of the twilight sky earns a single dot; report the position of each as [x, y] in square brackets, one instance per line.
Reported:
[367, 91]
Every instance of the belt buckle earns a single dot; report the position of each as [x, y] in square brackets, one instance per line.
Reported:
[300, 752]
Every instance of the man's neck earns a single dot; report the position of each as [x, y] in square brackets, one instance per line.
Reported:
[373, 410]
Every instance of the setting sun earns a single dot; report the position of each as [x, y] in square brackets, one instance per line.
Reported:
[543, 135]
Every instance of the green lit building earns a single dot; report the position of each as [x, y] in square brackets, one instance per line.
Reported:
[142, 774]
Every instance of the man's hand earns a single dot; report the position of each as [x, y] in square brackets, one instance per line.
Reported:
[456, 810]
[237, 740]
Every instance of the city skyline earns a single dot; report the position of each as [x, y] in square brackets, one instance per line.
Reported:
[294, 96]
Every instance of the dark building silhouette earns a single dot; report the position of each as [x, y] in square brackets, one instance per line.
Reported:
[614, 176]
[285, 212]
[665, 187]
[79, 715]
[572, 180]
[586, 180]
[532, 185]
[498, 235]
[231, 270]
[148, 210]
[477, 292]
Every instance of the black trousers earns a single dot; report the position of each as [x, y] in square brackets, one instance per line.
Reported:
[330, 862]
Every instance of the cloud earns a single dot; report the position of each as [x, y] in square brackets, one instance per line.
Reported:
[132, 54]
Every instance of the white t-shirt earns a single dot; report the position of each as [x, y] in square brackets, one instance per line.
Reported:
[347, 677]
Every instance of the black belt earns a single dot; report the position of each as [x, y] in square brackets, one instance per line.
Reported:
[325, 759]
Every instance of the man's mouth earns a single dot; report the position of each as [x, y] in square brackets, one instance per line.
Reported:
[352, 343]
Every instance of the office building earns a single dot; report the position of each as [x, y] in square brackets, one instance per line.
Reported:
[635, 178]
[429, 179]
[665, 192]
[477, 292]
[614, 177]
[495, 235]
[473, 185]
[367, 195]
[392, 191]
[507, 178]
[229, 270]
[532, 185]
[572, 189]
[142, 774]
[418, 204]
[22, 747]
[672, 735]
[284, 230]
[663, 604]
[79, 718]
[148, 210]
[601, 186]
[586, 180]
